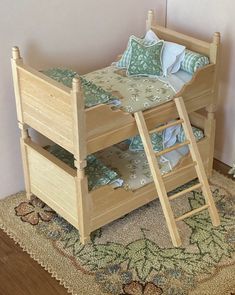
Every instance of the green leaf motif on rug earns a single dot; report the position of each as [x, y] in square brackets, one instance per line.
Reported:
[145, 256]
[210, 240]
[99, 256]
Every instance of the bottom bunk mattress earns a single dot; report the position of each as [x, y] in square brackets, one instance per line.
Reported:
[125, 164]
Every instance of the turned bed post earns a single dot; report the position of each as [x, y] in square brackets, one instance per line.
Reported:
[150, 20]
[211, 109]
[17, 60]
[80, 154]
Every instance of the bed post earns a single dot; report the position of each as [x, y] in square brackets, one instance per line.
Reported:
[211, 109]
[80, 153]
[17, 60]
[149, 21]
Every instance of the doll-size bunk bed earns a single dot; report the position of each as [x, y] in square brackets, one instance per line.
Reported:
[58, 113]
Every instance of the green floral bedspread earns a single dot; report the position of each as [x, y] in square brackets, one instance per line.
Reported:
[111, 85]
[134, 93]
[93, 94]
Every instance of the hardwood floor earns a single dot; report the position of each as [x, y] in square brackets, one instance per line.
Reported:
[21, 275]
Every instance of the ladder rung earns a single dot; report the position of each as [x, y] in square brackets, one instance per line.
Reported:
[179, 194]
[190, 213]
[175, 171]
[158, 129]
[172, 148]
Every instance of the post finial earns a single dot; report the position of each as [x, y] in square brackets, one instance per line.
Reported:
[15, 52]
[76, 84]
[216, 38]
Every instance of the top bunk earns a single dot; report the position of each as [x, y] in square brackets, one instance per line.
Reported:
[58, 112]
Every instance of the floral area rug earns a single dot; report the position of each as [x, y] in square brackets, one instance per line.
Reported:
[133, 255]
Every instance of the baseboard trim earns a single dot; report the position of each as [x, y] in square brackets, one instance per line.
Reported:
[222, 168]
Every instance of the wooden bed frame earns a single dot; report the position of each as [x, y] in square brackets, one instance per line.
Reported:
[58, 113]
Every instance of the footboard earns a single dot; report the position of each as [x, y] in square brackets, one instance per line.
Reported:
[53, 182]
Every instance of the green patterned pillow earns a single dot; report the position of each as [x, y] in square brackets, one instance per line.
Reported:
[145, 60]
[125, 59]
[193, 61]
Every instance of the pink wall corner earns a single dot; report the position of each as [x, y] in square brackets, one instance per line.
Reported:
[201, 19]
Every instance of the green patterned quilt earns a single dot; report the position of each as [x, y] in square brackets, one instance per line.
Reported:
[111, 85]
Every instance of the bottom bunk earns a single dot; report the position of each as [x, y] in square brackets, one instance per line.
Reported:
[54, 180]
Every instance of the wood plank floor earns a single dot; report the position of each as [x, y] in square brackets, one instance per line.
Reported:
[21, 275]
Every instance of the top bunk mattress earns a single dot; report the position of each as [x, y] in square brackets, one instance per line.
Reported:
[130, 94]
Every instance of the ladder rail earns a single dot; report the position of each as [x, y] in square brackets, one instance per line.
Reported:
[193, 148]
[156, 173]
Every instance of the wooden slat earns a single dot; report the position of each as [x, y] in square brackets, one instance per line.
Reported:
[161, 128]
[43, 78]
[177, 170]
[188, 190]
[188, 41]
[172, 148]
[46, 106]
[190, 213]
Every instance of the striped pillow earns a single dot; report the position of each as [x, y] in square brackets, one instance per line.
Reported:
[193, 61]
[124, 62]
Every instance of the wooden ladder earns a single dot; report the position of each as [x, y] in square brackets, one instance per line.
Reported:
[158, 179]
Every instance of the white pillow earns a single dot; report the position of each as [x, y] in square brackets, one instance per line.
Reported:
[172, 55]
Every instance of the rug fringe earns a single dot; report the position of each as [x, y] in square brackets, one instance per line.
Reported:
[47, 267]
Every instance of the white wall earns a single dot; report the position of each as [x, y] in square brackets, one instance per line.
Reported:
[201, 18]
[78, 34]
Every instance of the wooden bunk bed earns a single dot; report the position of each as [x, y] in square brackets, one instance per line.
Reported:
[58, 113]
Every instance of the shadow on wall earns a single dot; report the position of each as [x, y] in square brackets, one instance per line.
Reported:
[225, 76]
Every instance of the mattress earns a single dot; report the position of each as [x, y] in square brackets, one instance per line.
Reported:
[119, 166]
[111, 86]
